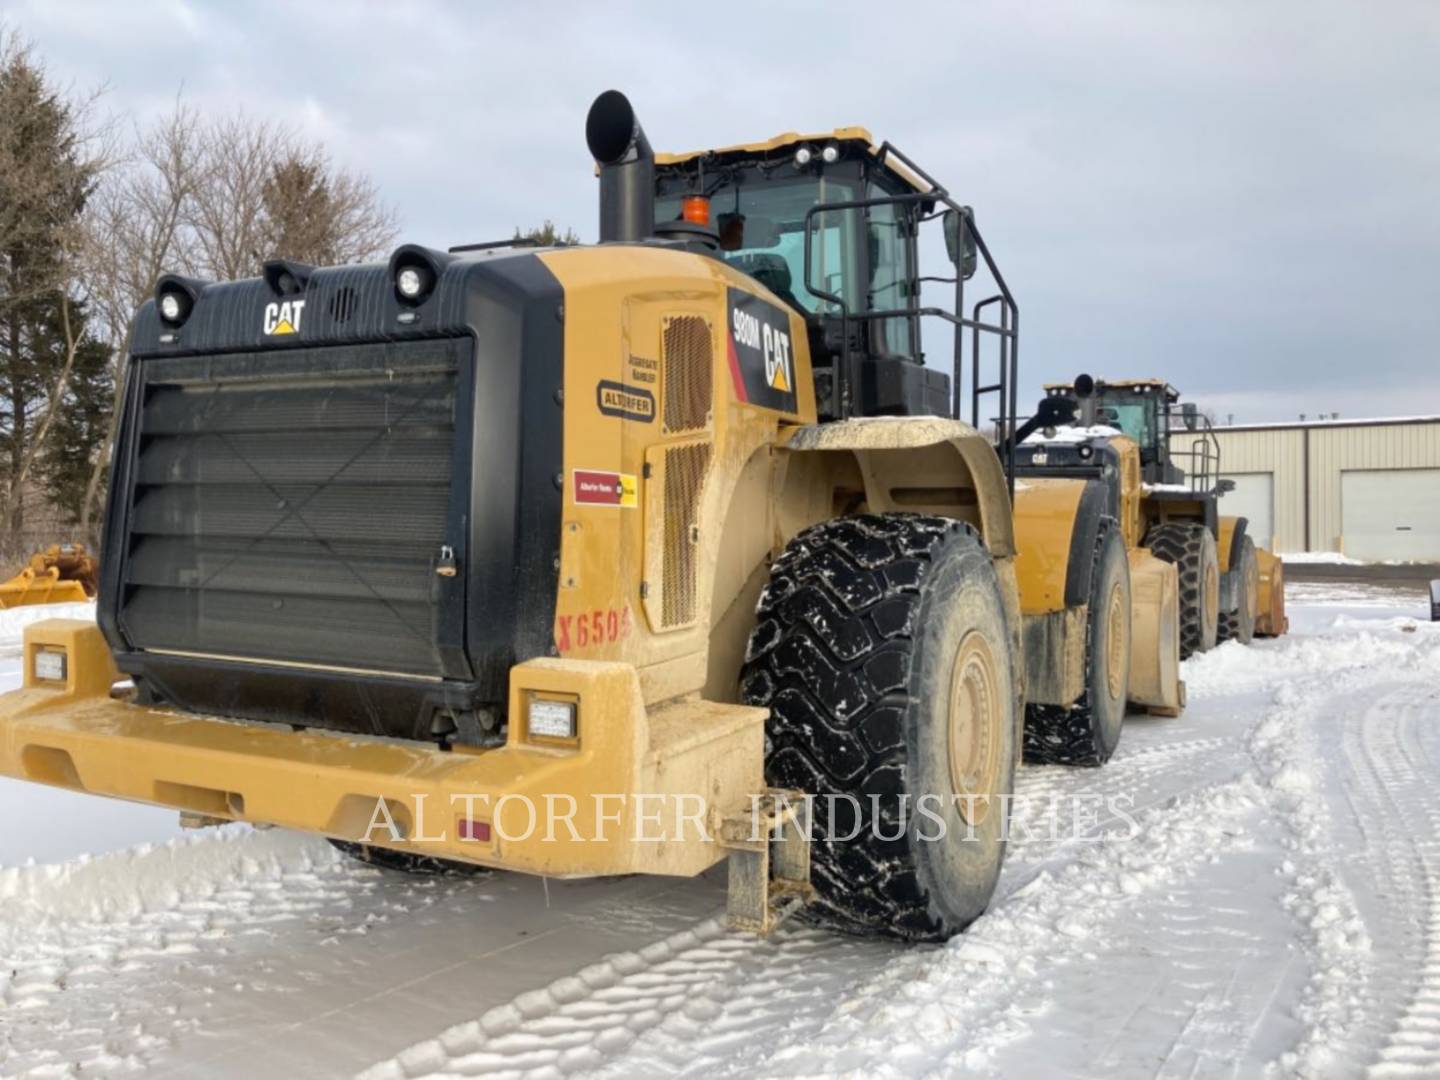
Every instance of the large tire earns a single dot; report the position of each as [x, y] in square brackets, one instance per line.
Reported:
[1239, 624]
[1190, 546]
[406, 863]
[1087, 732]
[882, 650]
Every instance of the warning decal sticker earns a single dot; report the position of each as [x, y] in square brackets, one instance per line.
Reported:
[594, 488]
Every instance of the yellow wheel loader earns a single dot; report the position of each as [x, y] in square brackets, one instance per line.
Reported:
[631, 557]
[61, 574]
[1125, 564]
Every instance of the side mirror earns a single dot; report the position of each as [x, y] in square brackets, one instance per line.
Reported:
[1190, 415]
[964, 258]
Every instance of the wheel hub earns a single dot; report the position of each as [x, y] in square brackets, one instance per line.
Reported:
[1117, 631]
[976, 713]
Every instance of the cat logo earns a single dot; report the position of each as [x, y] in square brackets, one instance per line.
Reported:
[777, 361]
[283, 318]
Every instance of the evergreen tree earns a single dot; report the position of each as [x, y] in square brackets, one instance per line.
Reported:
[81, 424]
[45, 179]
[548, 235]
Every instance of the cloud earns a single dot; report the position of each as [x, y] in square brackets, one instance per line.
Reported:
[1239, 197]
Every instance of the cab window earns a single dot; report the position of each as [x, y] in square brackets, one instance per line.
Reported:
[762, 233]
[1133, 416]
[891, 274]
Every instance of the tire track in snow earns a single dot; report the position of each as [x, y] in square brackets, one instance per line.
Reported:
[709, 1003]
[90, 951]
[1346, 997]
[711, 990]
[1394, 754]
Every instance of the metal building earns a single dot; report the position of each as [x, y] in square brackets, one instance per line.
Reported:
[1369, 489]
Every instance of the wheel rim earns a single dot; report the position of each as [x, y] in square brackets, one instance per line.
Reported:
[1212, 591]
[1252, 586]
[975, 716]
[1116, 639]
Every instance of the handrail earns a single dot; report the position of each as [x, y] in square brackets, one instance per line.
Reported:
[1007, 330]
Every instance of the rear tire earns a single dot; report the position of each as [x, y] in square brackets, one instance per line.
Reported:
[1088, 732]
[1240, 623]
[406, 863]
[882, 650]
[1190, 546]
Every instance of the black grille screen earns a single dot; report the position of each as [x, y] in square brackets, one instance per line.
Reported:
[292, 505]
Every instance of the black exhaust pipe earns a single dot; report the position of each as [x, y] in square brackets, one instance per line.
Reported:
[627, 168]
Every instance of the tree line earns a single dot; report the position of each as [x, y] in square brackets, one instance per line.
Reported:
[93, 209]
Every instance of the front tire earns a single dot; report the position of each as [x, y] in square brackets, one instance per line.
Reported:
[1190, 546]
[882, 650]
[1088, 732]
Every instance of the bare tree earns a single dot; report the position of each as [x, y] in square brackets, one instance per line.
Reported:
[226, 212]
[215, 200]
[137, 229]
[315, 213]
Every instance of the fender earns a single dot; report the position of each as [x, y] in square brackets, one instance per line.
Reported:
[1084, 534]
[1230, 542]
[1230, 539]
[926, 464]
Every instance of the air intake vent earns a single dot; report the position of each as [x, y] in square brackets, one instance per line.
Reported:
[685, 468]
[342, 304]
[687, 385]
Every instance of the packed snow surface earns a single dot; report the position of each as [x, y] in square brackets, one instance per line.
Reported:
[1275, 910]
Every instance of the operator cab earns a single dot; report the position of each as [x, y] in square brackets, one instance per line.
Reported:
[1149, 412]
[852, 272]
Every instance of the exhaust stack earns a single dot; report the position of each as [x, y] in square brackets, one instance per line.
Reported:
[627, 168]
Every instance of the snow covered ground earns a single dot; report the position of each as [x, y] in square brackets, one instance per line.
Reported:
[1277, 910]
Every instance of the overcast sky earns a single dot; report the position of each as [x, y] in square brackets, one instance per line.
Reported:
[1241, 197]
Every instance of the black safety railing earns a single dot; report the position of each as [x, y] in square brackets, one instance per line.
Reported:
[1006, 330]
[1200, 459]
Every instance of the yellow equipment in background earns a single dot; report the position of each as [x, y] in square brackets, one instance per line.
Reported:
[1114, 472]
[1271, 621]
[61, 574]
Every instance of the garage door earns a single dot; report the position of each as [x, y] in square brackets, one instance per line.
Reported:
[1253, 498]
[1390, 514]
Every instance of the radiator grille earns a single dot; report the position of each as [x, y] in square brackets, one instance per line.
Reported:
[685, 468]
[291, 505]
[687, 375]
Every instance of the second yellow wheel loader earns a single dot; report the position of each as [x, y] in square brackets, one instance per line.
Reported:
[582, 560]
[1125, 564]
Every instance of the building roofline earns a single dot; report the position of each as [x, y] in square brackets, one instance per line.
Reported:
[1298, 425]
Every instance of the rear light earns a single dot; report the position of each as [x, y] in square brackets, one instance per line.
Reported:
[474, 830]
[174, 302]
[548, 719]
[50, 665]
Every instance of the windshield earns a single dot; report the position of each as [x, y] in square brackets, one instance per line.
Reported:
[761, 223]
[1135, 416]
